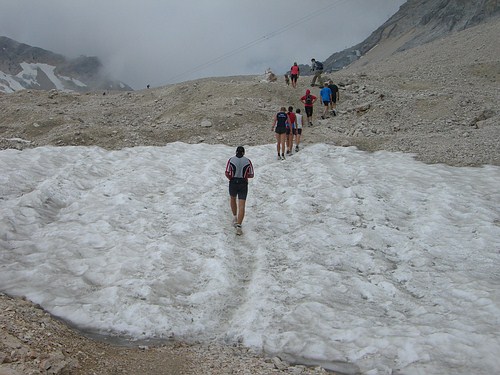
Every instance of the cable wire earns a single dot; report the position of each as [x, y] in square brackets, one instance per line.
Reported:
[264, 38]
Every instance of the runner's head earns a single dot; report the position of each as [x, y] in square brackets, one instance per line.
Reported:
[240, 151]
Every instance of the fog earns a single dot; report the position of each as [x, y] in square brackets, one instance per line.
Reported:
[159, 42]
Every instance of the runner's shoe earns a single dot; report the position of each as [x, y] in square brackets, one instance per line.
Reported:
[238, 229]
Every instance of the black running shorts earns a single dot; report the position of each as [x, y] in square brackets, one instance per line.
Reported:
[238, 188]
[280, 129]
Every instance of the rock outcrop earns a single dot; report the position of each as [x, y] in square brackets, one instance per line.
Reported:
[416, 23]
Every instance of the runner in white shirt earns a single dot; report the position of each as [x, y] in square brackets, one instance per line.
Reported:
[298, 115]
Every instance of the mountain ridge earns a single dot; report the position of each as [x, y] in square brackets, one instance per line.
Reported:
[418, 22]
[26, 67]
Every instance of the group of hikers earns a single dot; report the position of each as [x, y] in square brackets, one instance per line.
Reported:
[287, 126]
[293, 75]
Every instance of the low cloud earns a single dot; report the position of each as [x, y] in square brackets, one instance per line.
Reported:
[159, 42]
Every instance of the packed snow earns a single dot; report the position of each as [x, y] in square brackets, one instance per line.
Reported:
[8, 83]
[31, 75]
[361, 262]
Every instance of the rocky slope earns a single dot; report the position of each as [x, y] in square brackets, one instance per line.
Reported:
[418, 22]
[438, 101]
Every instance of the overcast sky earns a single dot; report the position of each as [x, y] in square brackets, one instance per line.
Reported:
[158, 42]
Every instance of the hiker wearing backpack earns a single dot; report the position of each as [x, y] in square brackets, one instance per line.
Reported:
[317, 68]
[308, 99]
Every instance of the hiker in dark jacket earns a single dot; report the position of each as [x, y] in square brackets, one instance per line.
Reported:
[317, 68]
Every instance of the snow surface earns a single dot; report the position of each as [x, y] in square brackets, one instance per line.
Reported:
[8, 84]
[369, 262]
[30, 73]
[29, 76]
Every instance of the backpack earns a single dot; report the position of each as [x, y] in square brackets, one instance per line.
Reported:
[319, 65]
[309, 99]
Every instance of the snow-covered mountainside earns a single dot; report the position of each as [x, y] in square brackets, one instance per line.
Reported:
[26, 67]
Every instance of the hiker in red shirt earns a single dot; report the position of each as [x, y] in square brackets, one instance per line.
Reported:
[294, 74]
[308, 99]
